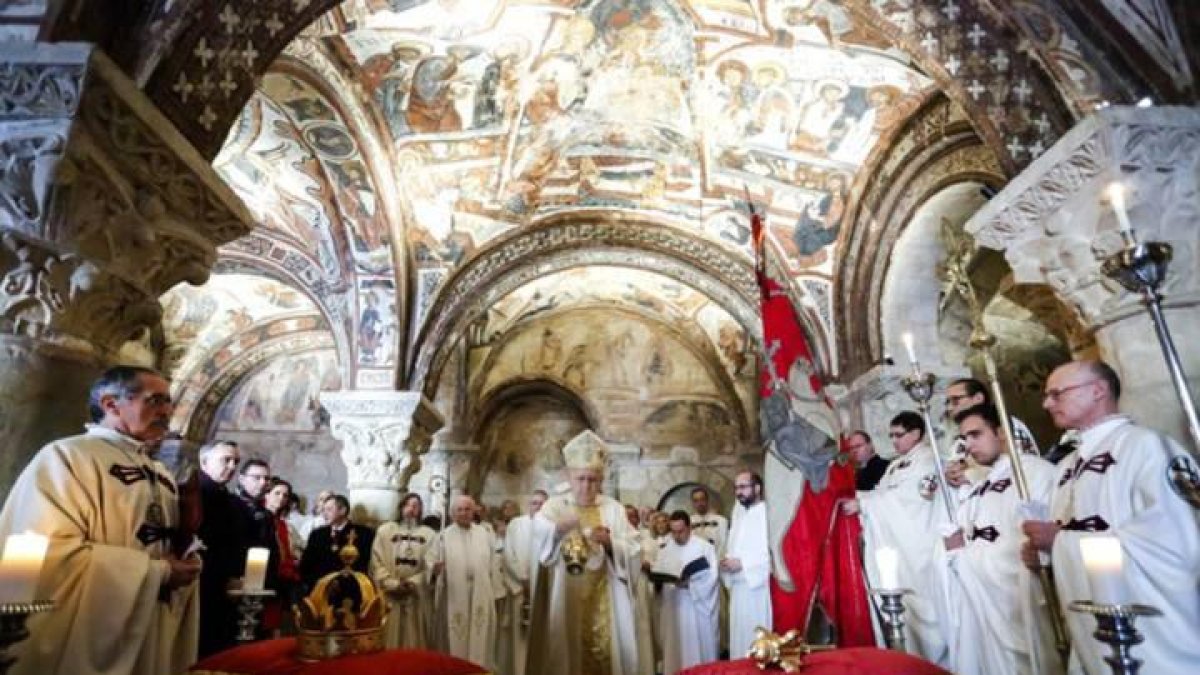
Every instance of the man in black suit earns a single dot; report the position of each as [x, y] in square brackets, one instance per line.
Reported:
[321, 555]
[224, 554]
[869, 467]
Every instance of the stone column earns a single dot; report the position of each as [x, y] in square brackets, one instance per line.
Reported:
[1055, 227]
[383, 435]
[103, 207]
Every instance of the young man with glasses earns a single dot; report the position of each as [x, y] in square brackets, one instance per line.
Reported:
[962, 395]
[1117, 483]
[746, 567]
[896, 515]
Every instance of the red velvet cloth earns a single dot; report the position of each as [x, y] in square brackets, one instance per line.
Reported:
[278, 657]
[852, 661]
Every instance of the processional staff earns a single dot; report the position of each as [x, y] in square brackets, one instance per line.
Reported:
[958, 250]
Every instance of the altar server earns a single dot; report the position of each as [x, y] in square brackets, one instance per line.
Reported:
[687, 615]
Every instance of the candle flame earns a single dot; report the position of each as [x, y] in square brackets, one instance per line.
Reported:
[1116, 194]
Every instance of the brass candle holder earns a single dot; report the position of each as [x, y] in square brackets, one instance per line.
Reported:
[13, 616]
[1115, 627]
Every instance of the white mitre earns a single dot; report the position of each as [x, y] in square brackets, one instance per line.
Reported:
[586, 451]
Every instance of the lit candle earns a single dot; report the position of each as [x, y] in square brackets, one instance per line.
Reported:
[21, 566]
[887, 559]
[1103, 562]
[1116, 197]
[907, 338]
[256, 569]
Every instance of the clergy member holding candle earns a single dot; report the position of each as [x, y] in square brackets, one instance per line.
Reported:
[123, 601]
[1117, 484]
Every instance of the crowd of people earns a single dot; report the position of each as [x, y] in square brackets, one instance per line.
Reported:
[581, 583]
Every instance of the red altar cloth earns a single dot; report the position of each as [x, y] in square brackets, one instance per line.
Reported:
[278, 657]
[849, 661]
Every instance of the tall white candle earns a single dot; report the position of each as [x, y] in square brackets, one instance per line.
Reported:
[907, 339]
[20, 567]
[1103, 561]
[1116, 197]
[887, 559]
[256, 569]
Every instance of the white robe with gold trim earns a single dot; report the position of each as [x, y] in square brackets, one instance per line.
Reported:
[465, 594]
[554, 613]
[90, 494]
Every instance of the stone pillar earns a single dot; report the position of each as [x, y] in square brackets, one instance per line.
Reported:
[383, 435]
[103, 207]
[1055, 227]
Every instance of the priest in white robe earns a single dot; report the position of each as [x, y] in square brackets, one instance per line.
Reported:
[688, 605]
[399, 569]
[124, 597]
[466, 587]
[583, 621]
[985, 622]
[1117, 484]
[901, 514]
[708, 524]
[520, 566]
[746, 567]
[643, 593]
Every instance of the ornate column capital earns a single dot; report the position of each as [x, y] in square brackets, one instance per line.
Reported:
[103, 204]
[383, 435]
[1054, 224]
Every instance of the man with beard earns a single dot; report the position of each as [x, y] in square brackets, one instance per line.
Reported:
[398, 568]
[746, 567]
[124, 600]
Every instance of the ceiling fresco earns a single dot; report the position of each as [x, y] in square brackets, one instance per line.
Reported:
[196, 320]
[497, 114]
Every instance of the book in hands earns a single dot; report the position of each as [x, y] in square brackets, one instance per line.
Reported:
[686, 573]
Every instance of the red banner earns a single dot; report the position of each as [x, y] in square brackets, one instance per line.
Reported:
[821, 547]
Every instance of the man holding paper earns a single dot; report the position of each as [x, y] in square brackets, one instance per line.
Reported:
[1116, 484]
[686, 568]
[124, 597]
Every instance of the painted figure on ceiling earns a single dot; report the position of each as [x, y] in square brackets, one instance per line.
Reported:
[434, 90]
[369, 329]
[819, 117]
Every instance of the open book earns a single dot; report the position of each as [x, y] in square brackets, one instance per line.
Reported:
[661, 576]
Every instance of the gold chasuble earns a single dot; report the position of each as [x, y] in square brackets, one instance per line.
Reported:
[582, 620]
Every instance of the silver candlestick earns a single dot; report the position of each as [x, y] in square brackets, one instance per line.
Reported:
[919, 387]
[1115, 627]
[13, 616]
[892, 606]
[250, 604]
[1141, 268]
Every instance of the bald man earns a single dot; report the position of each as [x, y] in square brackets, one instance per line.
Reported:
[1117, 484]
[466, 587]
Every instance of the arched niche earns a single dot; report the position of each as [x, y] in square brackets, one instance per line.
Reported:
[520, 436]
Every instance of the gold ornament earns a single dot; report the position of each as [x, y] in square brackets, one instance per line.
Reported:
[785, 652]
[343, 615]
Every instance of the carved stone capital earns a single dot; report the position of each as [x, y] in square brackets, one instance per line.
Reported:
[1055, 226]
[100, 197]
[383, 435]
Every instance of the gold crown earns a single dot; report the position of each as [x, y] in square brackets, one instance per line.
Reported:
[586, 451]
[343, 615]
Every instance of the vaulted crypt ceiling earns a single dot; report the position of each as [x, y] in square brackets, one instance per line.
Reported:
[395, 141]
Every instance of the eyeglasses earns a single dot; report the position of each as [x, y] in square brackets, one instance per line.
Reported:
[1055, 394]
[952, 401]
[153, 400]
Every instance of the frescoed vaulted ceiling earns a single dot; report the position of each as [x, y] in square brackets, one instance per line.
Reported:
[490, 116]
